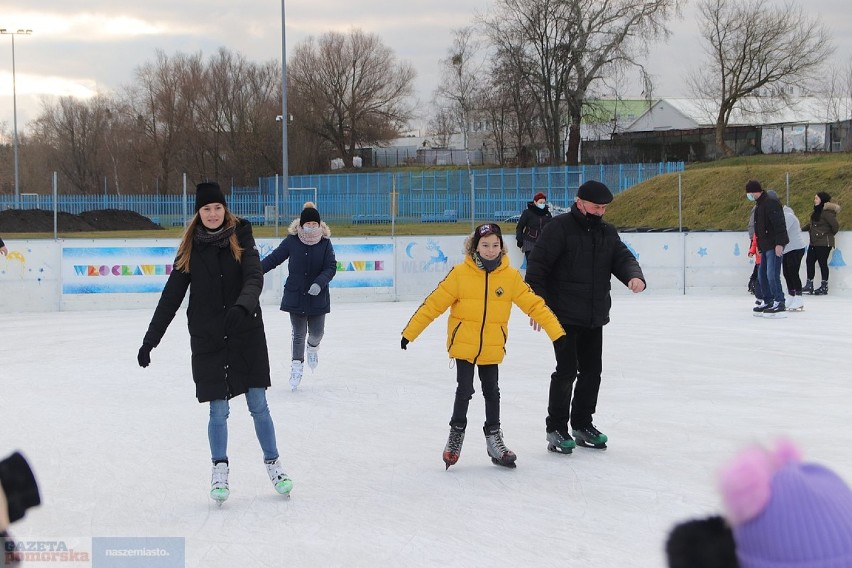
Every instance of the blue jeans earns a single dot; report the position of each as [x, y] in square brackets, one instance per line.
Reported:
[769, 276]
[217, 428]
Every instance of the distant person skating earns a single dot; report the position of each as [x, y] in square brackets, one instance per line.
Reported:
[532, 222]
[479, 293]
[791, 262]
[822, 228]
[571, 267]
[218, 262]
[306, 297]
[770, 227]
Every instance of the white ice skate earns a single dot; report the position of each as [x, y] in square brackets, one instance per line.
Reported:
[313, 356]
[219, 490]
[795, 304]
[296, 369]
[279, 478]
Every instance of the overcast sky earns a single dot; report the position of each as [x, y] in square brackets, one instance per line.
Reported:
[78, 48]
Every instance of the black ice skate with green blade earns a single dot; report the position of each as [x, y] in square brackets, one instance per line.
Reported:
[590, 437]
[560, 442]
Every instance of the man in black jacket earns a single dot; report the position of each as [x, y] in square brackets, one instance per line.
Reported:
[771, 230]
[571, 267]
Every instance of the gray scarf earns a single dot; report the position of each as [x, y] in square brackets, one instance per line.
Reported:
[218, 238]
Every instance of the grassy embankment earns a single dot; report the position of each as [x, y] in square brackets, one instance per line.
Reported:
[713, 199]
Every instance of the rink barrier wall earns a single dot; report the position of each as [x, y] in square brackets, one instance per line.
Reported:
[101, 274]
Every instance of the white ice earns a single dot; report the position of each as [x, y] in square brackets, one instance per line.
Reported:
[122, 451]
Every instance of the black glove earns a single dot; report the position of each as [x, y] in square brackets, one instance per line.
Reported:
[561, 343]
[234, 318]
[520, 244]
[144, 355]
[404, 343]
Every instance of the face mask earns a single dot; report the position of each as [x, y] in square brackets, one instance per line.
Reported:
[310, 230]
[541, 205]
[593, 219]
[750, 196]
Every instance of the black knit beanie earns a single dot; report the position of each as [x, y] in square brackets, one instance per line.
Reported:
[309, 213]
[208, 192]
[824, 197]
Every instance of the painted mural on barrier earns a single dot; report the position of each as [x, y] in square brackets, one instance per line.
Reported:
[368, 265]
[15, 266]
[116, 270]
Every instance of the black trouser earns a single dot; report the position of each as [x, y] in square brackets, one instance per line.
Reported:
[464, 392]
[817, 254]
[580, 360]
[790, 265]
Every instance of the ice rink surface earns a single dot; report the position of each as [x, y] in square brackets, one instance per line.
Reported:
[122, 451]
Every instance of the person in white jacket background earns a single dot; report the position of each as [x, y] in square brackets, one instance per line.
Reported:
[791, 263]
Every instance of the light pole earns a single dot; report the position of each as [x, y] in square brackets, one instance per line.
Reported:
[284, 115]
[4, 31]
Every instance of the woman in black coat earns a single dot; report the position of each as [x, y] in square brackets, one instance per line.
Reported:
[218, 262]
[532, 222]
[306, 297]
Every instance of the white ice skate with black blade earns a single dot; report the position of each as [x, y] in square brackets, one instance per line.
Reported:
[219, 490]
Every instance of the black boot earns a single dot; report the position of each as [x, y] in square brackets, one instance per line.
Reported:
[822, 290]
[809, 286]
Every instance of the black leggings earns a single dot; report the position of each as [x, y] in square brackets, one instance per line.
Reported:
[464, 392]
[817, 254]
[790, 264]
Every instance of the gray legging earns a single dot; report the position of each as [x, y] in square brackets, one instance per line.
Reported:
[312, 326]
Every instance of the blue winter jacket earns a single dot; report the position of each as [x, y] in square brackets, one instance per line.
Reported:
[308, 264]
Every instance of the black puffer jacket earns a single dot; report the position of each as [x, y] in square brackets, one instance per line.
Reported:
[223, 366]
[530, 226]
[770, 226]
[572, 264]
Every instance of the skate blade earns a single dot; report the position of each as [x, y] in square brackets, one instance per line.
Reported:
[776, 315]
[583, 444]
[510, 465]
[218, 496]
[555, 450]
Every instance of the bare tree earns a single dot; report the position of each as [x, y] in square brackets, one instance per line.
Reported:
[442, 126]
[358, 93]
[837, 92]
[564, 47]
[461, 78]
[752, 44]
[74, 130]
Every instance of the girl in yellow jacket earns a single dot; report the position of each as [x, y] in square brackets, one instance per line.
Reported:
[480, 292]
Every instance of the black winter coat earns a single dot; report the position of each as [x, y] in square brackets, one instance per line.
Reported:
[530, 226]
[770, 226]
[223, 365]
[308, 264]
[571, 267]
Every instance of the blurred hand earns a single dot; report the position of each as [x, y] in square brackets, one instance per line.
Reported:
[144, 355]
[234, 317]
[636, 285]
[314, 290]
[404, 343]
[535, 325]
[779, 250]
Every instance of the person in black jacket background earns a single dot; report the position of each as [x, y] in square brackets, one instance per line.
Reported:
[532, 222]
[218, 262]
[306, 297]
[571, 267]
[770, 228]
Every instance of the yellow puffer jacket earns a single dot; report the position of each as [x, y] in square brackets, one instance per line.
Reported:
[473, 295]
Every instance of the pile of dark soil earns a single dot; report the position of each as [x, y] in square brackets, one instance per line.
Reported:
[41, 221]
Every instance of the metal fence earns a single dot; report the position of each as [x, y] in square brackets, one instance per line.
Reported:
[424, 196]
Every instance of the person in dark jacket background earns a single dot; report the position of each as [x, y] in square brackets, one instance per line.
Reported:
[571, 267]
[218, 262]
[770, 227]
[306, 297]
[821, 228]
[532, 222]
[3, 249]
